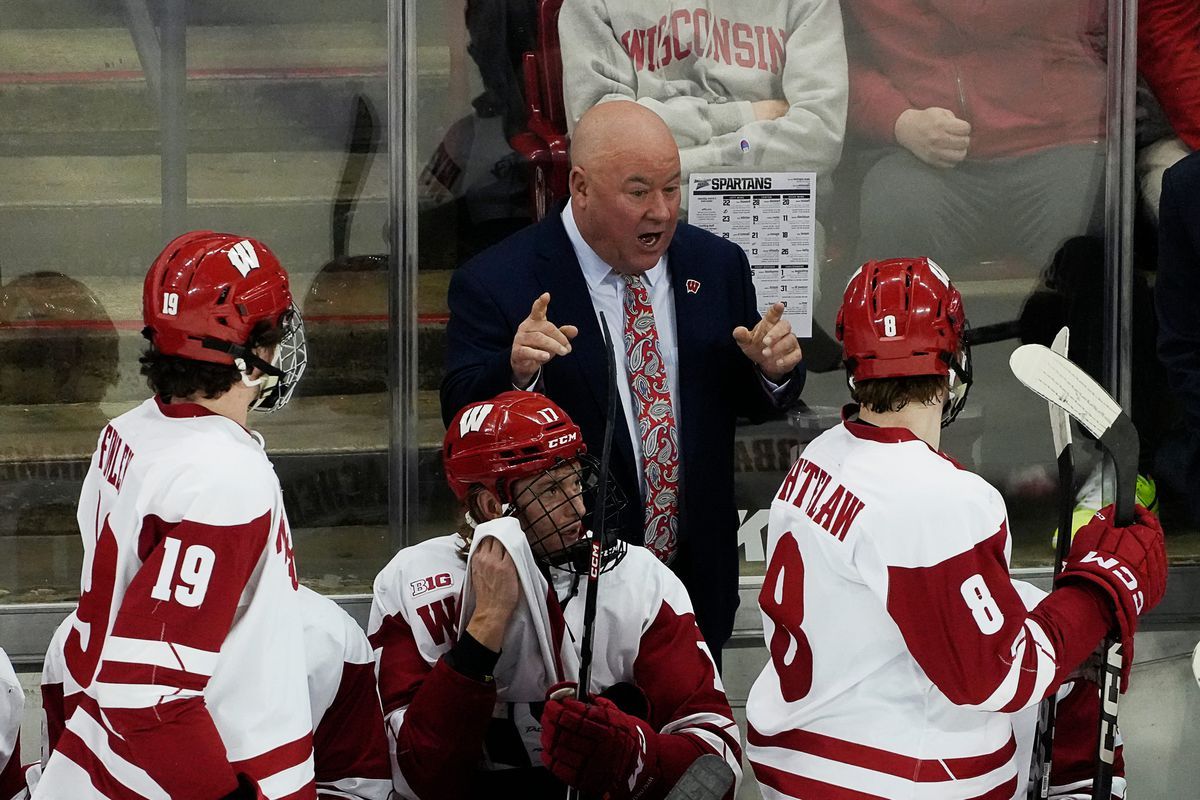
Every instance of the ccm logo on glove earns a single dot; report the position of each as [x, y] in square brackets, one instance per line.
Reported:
[1121, 572]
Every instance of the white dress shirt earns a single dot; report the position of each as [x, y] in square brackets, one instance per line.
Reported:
[607, 289]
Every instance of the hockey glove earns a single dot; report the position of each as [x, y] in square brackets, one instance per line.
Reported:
[1128, 564]
[596, 747]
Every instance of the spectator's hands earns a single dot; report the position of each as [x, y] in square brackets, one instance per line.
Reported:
[497, 591]
[537, 341]
[771, 345]
[934, 135]
[769, 109]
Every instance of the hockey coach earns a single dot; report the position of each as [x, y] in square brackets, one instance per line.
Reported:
[694, 354]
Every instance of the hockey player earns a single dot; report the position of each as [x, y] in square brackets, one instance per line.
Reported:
[472, 630]
[899, 644]
[349, 745]
[12, 706]
[187, 654]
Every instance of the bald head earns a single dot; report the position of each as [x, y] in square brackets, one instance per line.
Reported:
[625, 184]
[612, 130]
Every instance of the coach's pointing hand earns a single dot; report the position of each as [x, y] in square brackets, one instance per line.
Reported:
[771, 345]
[537, 341]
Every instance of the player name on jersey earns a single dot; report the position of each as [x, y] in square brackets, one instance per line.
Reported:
[830, 505]
[115, 456]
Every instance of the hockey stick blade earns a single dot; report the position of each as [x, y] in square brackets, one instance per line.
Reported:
[708, 778]
[1060, 419]
[1067, 386]
[1060, 430]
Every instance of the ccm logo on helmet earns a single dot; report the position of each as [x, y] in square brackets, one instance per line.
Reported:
[561, 440]
[439, 581]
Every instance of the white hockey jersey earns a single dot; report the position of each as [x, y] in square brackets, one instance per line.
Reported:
[899, 645]
[12, 709]
[349, 744]
[187, 651]
[645, 634]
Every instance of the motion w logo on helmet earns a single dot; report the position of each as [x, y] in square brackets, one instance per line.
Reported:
[472, 419]
[243, 257]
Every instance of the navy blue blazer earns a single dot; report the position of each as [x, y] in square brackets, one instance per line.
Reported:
[491, 295]
[1177, 461]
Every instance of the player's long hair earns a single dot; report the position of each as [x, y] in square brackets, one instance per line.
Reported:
[172, 376]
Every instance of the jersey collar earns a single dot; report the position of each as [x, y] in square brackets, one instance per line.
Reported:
[873, 433]
[182, 410]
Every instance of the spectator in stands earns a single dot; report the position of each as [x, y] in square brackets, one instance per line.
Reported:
[473, 183]
[988, 119]
[1169, 60]
[1175, 292]
[746, 86]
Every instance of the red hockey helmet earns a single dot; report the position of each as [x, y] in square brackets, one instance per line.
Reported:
[902, 318]
[207, 288]
[203, 297]
[512, 436]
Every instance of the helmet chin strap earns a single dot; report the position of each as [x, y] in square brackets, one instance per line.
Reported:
[266, 382]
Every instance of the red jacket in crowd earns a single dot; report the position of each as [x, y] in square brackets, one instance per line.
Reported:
[1027, 74]
[1169, 59]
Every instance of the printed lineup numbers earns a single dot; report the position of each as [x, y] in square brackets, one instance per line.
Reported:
[194, 573]
[170, 305]
[782, 600]
[984, 608]
[95, 605]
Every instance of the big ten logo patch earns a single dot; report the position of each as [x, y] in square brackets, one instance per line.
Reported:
[439, 581]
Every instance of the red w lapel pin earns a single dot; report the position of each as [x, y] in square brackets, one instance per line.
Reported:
[693, 285]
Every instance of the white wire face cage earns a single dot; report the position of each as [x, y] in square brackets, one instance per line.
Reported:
[548, 509]
[289, 361]
[962, 375]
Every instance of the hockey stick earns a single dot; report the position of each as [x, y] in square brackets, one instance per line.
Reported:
[1070, 388]
[1060, 430]
[598, 535]
[708, 778]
